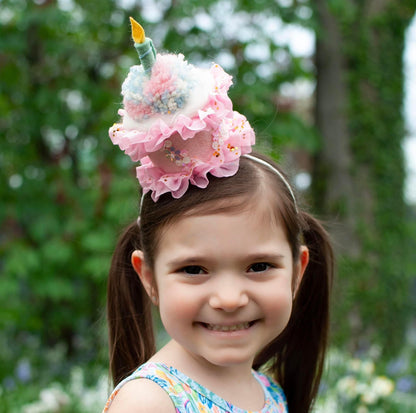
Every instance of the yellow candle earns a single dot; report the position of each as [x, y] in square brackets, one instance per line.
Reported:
[137, 31]
[143, 45]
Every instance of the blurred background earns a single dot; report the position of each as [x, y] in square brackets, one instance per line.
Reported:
[329, 87]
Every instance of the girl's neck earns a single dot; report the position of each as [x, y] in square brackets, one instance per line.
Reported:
[174, 355]
[234, 383]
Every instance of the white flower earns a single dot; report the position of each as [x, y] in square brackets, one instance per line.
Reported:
[348, 386]
[77, 382]
[51, 400]
[54, 399]
[370, 397]
[368, 367]
[92, 398]
[382, 386]
[362, 388]
[355, 365]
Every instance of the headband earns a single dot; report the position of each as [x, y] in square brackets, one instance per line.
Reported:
[178, 122]
[278, 173]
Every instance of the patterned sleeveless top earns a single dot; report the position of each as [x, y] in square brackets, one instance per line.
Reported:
[190, 397]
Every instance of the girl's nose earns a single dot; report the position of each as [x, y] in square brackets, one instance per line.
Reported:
[228, 296]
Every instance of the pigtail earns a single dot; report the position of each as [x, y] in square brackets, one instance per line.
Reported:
[296, 357]
[129, 310]
[307, 336]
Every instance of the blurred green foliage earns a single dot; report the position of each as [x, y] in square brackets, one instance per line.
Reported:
[57, 168]
[376, 287]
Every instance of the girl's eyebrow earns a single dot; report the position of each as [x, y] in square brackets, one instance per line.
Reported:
[187, 260]
[256, 257]
[200, 259]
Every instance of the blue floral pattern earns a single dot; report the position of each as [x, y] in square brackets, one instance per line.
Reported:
[190, 397]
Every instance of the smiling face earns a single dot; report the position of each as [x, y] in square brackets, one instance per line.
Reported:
[224, 283]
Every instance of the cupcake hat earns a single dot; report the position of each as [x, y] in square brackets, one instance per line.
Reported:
[178, 122]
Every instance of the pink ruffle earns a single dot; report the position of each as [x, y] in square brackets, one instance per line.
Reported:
[239, 142]
[153, 178]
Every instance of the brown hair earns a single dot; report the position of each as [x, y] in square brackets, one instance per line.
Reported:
[295, 358]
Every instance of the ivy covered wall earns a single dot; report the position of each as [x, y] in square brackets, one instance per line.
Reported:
[362, 126]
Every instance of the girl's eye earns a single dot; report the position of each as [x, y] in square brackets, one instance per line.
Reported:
[193, 270]
[259, 267]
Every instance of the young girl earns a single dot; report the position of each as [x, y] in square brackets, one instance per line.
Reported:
[239, 273]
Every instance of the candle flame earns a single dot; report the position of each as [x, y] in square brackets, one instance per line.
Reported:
[137, 31]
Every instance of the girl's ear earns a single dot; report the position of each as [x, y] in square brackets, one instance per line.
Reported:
[145, 274]
[301, 267]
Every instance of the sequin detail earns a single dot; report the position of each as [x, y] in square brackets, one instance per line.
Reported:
[180, 158]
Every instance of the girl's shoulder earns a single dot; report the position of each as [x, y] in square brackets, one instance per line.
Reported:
[141, 396]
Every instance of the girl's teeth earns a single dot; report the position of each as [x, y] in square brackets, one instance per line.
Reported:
[236, 327]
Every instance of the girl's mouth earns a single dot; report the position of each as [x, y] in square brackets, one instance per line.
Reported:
[227, 328]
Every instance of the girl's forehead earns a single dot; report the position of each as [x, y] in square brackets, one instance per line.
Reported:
[261, 205]
[263, 211]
